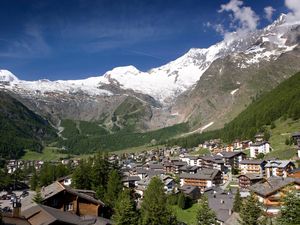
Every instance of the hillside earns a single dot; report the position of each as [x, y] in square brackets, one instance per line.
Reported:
[282, 102]
[81, 137]
[20, 128]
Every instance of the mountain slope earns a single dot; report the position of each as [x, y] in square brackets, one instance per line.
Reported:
[20, 128]
[281, 102]
[205, 87]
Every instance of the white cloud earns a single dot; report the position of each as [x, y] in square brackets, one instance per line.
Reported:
[243, 15]
[269, 10]
[294, 6]
[243, 20]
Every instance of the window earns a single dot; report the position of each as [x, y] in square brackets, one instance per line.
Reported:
[69, 206]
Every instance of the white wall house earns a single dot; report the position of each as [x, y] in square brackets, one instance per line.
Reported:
[259, 147]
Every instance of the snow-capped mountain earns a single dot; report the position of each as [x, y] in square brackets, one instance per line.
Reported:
[165, 84]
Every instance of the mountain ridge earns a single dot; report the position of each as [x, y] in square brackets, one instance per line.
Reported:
[173, 91]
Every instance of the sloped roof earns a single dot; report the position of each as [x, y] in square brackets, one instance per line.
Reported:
[203, 174]
[55, 188]
[252, 176]
[252, 162]
[272, 185]
[278, 163]
[43, 215]
[230, 154]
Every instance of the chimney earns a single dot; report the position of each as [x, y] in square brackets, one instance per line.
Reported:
[230, 212]
[222, 201]
[16, 207]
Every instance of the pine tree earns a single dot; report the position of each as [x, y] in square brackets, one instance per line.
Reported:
[250, 211]
[125, 210]
[181, 201]
[154, 206]
[81, 177]
[38, 197]
[290, 212]
[34, 181]
[237, 201]
[205, 215]
[114, 188]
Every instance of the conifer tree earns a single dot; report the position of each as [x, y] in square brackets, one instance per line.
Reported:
[38, 197]
[250, 211]
[154, 206]
[205, 215]
[237, 201]
[181, 201]
[34, 181]
[125, 210]
[290, 212]
[114, 188]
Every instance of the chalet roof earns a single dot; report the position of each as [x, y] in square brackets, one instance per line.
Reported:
[179, 163]
[188, 189]
[131, 178]
[278, 163]
[259, 143]
[56, 187]
[203, 174]
[272, 185]
[222, 204]
[252, 176]
[231, 154]
[84, 196]
[188, 168]
[156, 166]
[41, 214]
[141, 170]
[252, 162]
[191, 157]
[215, 159]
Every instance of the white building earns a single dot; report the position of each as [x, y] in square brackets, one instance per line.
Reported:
[259, 147]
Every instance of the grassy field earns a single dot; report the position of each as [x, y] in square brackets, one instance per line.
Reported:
[279, 134]
[187, 216]
[49, 153]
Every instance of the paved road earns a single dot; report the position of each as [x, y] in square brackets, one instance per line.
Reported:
[26, 202]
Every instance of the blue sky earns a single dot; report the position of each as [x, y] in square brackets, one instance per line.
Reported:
[72, 39]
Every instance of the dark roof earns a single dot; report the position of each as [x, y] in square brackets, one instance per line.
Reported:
[56, 187]
[156, 166]
[188, 168]
[256, 162]
[203, 174]
[222, 204]
[278, 163]
[231, 154]
[272, 185]
[188, 189]
[84, 196]
[179, 163]
[131, 178]
[214, 159]
[252, 176]
[48, 215]
[259, 143]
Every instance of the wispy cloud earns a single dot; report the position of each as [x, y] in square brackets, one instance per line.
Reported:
[294, 6]
[243, 19]
[269, 10]
[30, 44]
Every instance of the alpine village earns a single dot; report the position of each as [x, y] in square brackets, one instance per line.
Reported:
[210, 138]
